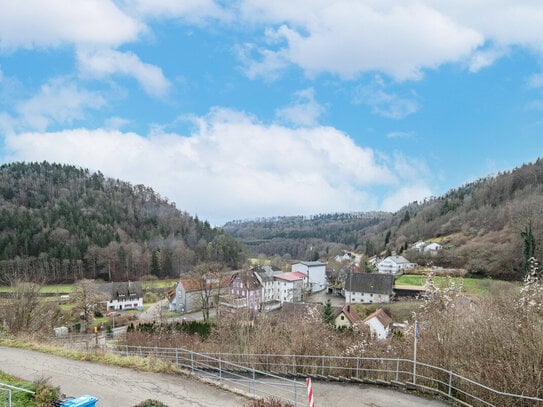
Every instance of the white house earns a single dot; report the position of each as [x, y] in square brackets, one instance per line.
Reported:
[366, 288]
[432, 248]
[121, 296]
[418, 245]
[315, 272]
[265, 275]
[379, 323]
[394, 264]
[290, 286]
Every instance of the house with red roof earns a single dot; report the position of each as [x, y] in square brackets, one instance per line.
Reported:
[290, 287]
[379, 323]
[347, 317]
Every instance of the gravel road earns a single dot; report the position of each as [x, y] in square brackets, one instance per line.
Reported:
[121, 387]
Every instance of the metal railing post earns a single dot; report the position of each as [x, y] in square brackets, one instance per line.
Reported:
[450, 382]
[397, 369]
[323, 365]
[176, 357]
[357, 368]
[220, 369]
[192, 362]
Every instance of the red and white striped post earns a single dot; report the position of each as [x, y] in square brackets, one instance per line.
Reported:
[310, 393]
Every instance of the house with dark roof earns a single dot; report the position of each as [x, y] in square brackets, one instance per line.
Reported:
[245, 284]
[123, 295]
[265, 275]
[366, 288]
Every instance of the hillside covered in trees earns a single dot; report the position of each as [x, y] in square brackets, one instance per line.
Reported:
[491, 227]
[63, 223]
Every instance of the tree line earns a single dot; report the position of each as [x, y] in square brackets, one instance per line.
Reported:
[66, 223]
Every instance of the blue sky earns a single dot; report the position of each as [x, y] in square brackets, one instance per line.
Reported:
[244, 109]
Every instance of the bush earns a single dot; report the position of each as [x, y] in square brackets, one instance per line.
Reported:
[269, 402]
[151, 403]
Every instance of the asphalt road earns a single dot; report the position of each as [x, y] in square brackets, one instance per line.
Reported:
[121, 387]
[114, 386]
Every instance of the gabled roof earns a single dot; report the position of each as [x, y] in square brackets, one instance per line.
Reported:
[122, 290]
[291, 276]
[195, 284]
[397, 259]
[372, 283]
[381, 315]
[265, 273]
[350, 313]
[249, 280]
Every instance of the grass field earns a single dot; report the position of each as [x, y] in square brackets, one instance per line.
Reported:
[69, 288]
[18, 398]
[471, 285]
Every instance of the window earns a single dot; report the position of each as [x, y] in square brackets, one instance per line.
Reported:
[342, 317]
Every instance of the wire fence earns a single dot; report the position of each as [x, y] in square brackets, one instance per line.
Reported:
[275, 375]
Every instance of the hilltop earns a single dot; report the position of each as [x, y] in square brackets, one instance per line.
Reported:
[62, 223]
[490, 227]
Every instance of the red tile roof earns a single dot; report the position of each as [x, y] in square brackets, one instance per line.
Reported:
[292, 276]
[381, 315]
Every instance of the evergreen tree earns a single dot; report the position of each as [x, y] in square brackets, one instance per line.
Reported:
[328, 313]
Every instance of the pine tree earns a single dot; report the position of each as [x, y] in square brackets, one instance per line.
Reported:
[328, 313]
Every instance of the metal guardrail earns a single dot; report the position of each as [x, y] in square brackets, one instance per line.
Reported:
[256, 371]
[257, 383]
[6, 390]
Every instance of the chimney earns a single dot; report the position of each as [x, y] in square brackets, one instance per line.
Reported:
[348, 308]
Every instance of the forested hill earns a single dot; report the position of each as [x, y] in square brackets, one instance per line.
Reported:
[490, 227]
[63, 223]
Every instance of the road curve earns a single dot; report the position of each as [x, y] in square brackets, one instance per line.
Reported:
[114, 386]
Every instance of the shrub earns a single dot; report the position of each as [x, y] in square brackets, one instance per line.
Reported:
[151, 403]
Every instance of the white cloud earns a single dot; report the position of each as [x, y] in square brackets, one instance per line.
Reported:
[232, 166]
[50, 23]
[106, 62]
[484, 58]
[305, 111]
[191, 10]
[384, 102]
[350, 37]
[58, 101]
[404, 195]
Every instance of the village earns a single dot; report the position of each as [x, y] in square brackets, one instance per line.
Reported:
[263, 289]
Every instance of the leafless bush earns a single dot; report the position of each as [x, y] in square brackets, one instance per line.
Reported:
[496, 340]
[269, 402]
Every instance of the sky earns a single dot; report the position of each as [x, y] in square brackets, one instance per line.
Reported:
[247, 109]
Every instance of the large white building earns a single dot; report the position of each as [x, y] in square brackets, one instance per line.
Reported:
[315, 271]
[394, 264]
[290, 286]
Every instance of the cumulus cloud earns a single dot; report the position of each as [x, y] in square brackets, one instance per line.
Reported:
[50, 23]
[190, 10]
[106, 62]
[231, 166]
[350, 37]
[58, 101]
[304, 111]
